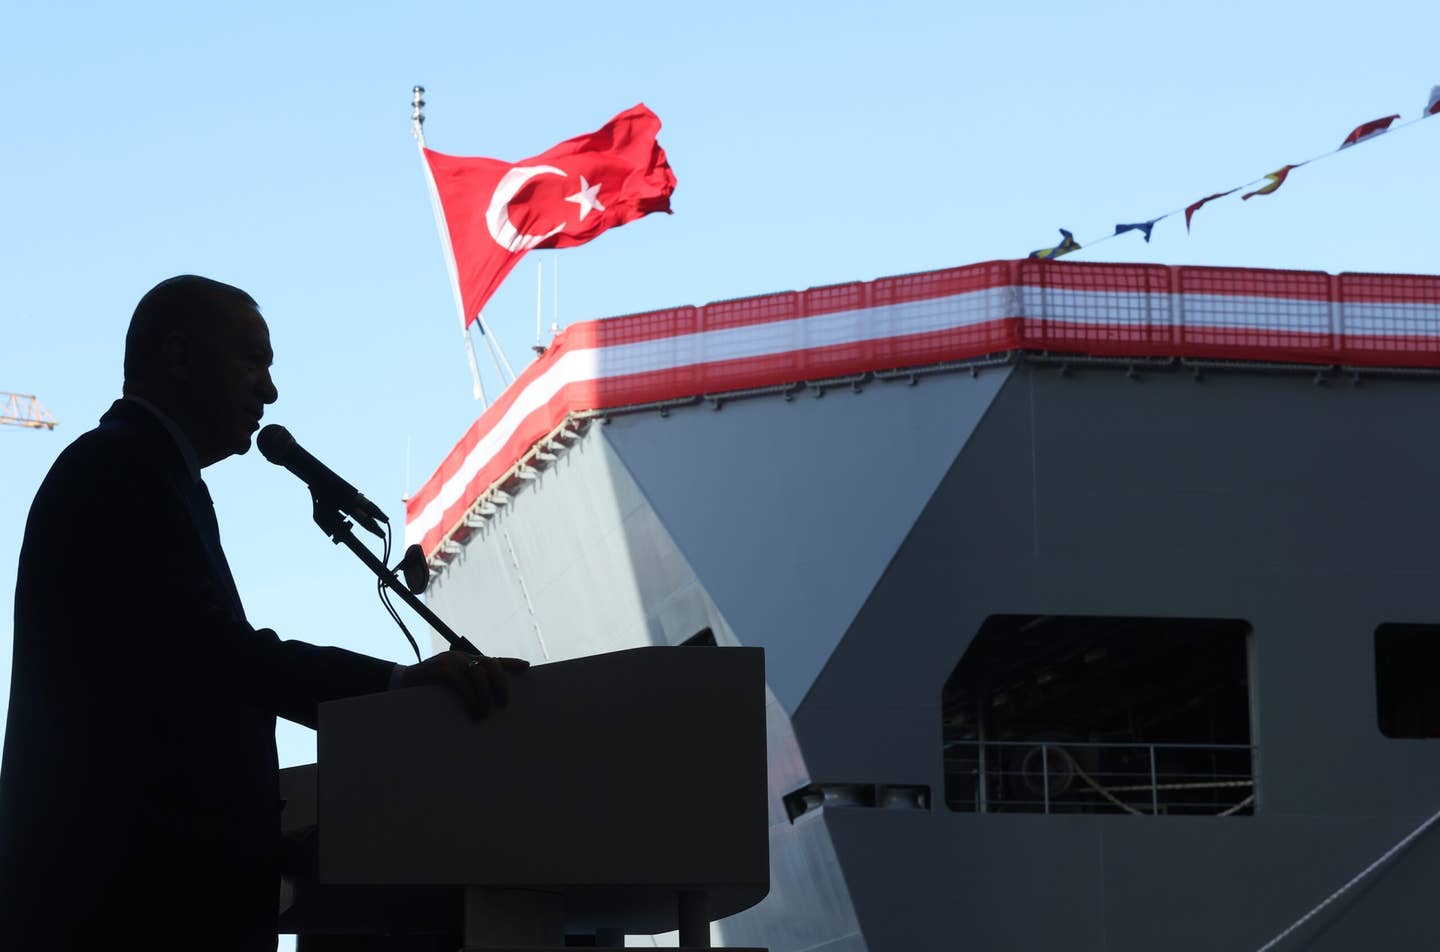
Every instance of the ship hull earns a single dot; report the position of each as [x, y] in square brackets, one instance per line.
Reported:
[865, 534]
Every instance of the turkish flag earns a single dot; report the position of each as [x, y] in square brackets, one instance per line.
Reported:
[496, 211]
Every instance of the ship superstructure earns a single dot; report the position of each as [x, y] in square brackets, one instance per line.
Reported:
[1097, 599]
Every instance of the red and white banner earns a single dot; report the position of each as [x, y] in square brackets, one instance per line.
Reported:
[1302, 317]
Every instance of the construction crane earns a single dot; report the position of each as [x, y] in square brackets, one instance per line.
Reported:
[24, 409]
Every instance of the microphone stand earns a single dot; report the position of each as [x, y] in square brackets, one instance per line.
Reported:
[334, 524]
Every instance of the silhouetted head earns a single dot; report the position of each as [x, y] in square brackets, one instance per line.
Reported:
[200, 351]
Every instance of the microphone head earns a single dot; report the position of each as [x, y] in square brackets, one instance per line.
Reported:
[414, 570]
[274, 443]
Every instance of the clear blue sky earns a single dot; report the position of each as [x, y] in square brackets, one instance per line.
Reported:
[267, 145]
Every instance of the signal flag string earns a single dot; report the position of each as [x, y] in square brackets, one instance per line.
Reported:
[1266, 183]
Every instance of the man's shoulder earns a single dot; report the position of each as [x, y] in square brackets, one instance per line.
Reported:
[123, 448]
[109, 483]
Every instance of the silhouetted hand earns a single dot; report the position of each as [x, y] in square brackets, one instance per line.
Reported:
[482, 683]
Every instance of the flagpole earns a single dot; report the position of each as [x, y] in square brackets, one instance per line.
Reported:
[539, 346]
[417, 129]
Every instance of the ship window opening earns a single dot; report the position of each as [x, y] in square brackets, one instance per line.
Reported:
[1407, 695]
[1101, 714]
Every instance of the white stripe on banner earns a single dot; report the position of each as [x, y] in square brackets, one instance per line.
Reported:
[1116, 308]
[1410, 320]
[1255, 313]
[803, 333]
[571, 368]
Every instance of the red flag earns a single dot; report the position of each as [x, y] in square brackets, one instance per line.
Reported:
[1277, 179]
[496, 211]
[1192, 209]
[1368, 130]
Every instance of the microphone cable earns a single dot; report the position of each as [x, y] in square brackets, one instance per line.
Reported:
[384, 592]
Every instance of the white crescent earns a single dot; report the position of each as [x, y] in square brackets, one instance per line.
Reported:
[497, 216]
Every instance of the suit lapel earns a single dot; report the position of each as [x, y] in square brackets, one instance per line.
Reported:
[204, 509]
[154, 443]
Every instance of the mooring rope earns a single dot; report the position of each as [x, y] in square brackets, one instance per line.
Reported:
[1108, 795]
[1348, 886]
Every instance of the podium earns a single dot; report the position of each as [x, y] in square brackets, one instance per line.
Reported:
[623, 793]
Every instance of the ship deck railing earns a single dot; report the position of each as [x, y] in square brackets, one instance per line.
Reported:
[1062, 776]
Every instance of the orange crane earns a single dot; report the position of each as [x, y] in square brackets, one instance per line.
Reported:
[24, 409]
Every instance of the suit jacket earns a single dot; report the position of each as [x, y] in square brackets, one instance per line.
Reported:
[138, 788]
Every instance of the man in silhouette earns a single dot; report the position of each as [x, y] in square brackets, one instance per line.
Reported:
[138, 794]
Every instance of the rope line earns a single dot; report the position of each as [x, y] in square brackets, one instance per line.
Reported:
[1102, 791]
[1348, 886]
[1238, 807]
[1206, 785]
[1313, 159]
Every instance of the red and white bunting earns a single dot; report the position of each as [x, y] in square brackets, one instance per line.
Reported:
[1302, 317]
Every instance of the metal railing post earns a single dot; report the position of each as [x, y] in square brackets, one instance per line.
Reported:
[984, 801]
[1045, 771]
[1154, 786]
[984, 793]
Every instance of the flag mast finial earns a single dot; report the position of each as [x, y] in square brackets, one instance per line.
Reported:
[417, 114]
[417, 130]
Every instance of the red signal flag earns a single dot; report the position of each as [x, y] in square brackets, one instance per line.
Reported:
[1368, 130]
[1192, 209]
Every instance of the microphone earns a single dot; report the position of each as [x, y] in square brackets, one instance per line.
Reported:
[279, 447]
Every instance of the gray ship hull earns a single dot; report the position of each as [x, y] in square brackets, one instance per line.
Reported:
[864, 534]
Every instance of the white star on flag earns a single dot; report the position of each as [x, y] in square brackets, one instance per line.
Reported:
[586, 198]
